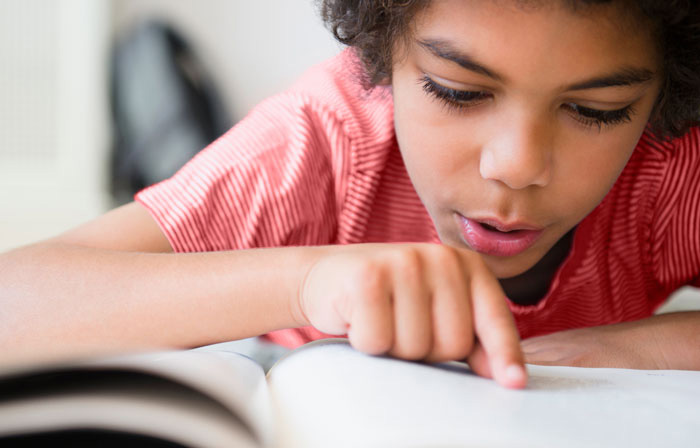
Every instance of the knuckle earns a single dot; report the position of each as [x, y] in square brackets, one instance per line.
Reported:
[369, 269]
[408, 261]
[453, 344]
[378, 345]
[371, 298]
[414, 351]
[444, 255]
[458, 348]
[368, 277]
[372, 343]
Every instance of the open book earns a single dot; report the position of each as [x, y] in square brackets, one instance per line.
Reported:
[326, 394]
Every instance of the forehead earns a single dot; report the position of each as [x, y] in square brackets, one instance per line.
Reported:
[540, 39]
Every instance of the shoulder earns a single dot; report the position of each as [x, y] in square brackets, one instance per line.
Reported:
[333, 90]
[662, 170]
[675, 217]
[689, 142]
[652, 214]
[675, 163]
[280, 176]
[327, 111]
[680, 150]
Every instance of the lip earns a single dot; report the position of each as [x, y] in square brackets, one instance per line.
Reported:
[505, 227]
[489, 242]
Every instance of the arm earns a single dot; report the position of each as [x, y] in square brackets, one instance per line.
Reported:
[108, 286]
[666, 341]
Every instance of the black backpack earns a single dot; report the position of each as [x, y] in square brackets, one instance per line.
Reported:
[164, 106]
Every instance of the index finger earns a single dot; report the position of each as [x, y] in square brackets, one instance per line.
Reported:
[495, 328]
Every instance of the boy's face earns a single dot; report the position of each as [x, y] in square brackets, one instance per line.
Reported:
[519, 118]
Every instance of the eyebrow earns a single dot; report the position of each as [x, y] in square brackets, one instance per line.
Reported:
[628, 76]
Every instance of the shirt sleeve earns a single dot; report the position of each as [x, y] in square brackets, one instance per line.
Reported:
[267, 182]
[677, 225]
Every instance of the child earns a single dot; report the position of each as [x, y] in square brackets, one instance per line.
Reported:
[541, 151]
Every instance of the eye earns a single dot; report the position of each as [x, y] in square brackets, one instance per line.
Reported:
[588, 117]
[598, 118]
[454, 99]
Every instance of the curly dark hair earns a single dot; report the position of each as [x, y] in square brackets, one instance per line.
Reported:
[373, 26]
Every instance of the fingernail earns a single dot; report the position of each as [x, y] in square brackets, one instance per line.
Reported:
[515, 372]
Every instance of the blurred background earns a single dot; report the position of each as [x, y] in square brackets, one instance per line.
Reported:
[81, 78]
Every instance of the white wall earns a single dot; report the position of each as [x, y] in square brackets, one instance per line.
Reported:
[53, 115]
[54, 133]
[254, 48]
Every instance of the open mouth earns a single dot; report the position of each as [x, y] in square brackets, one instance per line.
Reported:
[493, 229]
[492, 238]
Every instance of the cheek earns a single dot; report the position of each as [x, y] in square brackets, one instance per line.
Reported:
[588, 169]
[417, 142]
[433, 146]
[435, 164]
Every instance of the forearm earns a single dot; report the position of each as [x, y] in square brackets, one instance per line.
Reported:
[673, 339]
[57, 298]
[666, 341]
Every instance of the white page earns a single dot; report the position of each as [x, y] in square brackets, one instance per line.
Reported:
[328, 394]
[157, 413]
[231, 379]
[234, 379]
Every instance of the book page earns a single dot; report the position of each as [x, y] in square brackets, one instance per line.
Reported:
[234, 379]
[196, 398]
[327, 394]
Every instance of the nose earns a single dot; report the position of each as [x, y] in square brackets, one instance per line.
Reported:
[519, 154]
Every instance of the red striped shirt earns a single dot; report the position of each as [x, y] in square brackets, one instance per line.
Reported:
[319, 164]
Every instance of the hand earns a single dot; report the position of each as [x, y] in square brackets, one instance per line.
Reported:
[415, 301]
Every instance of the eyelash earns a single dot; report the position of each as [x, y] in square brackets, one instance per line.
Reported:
[461, 99]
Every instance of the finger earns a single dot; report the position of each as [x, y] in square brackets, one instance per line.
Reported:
[453, 332]
[371, 327]
[412, 309]
[495, 328]
[478, 361]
